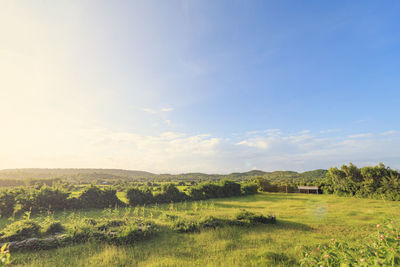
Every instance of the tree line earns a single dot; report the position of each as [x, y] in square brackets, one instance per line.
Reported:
[379, 182]
[36, 200]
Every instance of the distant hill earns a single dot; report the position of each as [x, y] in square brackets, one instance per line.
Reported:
[75, 173]
[88, 175]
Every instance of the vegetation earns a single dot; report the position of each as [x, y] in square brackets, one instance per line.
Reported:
[379, 182]
[307, 220]
[383, 250]
[50, 177]
[214, 222]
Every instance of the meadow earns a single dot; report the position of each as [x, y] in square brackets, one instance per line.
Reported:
[302, 220]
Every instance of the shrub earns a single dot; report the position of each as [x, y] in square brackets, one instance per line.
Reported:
[7, 203]
[185, 226]
[139, 196]
[80, 235]
[170, 193]
[134, 233]
[249, 189]
[196, 193]
[20, 230]
[253, 218]
[211, 222]
[110, 224]
[229, 188]
[94, 197]
[46, 198]
[50, 198]
[382, 251]
[54, 228]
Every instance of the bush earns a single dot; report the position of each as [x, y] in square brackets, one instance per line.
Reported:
[50, 198]
[7, 203]
[94, 197]
[185, 226]
[229, 189]
[211, 222]
[20, 230]
[382, 251]
[54, 228]
[170, 193]
[253, 218]
[110, 224]
[208, 190]
[139, 196]
[46, 198]
[249, 189]
[134, 233]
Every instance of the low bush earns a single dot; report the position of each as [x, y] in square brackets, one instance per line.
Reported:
[211, 222]
[106, 226]
[249, 188]
[253, 218]
[139, 196]
[54, 228]
[7, 203]
[95, 197]
[20, 230]
[185, 226]
[170, 193]
[134, 233]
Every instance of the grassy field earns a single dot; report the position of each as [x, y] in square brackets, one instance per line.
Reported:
[302, 220]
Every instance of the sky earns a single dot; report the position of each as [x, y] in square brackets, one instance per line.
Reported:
[199, 86]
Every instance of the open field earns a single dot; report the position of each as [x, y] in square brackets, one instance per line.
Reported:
[302, 220]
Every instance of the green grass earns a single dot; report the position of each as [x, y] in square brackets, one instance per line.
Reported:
[302, 219]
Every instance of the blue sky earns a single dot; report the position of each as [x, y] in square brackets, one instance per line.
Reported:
[212, 86]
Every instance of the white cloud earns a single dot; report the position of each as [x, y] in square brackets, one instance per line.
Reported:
[157, 111]
[362, 135]
[389, 133]
[149, 110]
[166, 109]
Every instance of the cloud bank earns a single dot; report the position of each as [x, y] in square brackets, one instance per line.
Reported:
[175, 152]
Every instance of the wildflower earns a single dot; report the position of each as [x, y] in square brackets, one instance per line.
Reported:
[332, 239]
[3, 259]
[362, 260]
[398, 237]
[318, 248]
[326, 256]
[382, 237]
[378, 226]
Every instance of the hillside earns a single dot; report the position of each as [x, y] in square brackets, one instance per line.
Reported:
[88, 175]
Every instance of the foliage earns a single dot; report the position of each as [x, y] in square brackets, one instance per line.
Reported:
[7, 203]
[95, 197]
[169, 193]
[20, 230]
[249, 188]
[139, 196]
[372, 182]
[383, 250]
[5, 255]
[253, 218]
[54, 228]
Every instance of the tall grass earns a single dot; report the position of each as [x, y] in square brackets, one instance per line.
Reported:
[302, 220]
